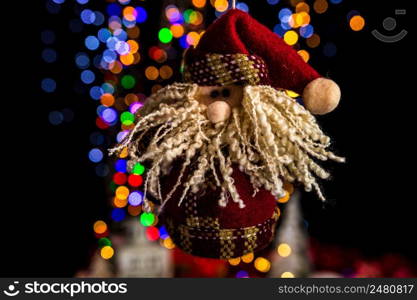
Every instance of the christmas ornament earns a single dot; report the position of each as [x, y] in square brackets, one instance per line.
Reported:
[221, 148]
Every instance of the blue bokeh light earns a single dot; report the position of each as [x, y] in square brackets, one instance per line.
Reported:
[96, 92]
[88, 16]
[142, 15]
[49, 55]
[95, 155]
[48, 85]
[55, 117]
[91, 42]
[87, 76]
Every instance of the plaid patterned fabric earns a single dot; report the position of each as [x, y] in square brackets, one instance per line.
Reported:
[204, 236]
[225, 69]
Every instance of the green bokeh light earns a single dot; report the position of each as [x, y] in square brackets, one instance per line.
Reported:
[128, 81]
[104, 242]
[127, 118]
[138, 169]
[147, 219]
[187, 15]
[165, 35]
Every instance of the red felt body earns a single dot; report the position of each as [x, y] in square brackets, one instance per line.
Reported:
[237, 32]
[201, 227]
[257, 209]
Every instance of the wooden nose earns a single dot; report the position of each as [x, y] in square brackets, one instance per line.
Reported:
[218, 111]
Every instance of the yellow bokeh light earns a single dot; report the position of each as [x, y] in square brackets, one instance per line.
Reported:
[221, 5]
[234, 261]
[193, 38]
[127, 59]
[284, 250]
[303, 18]
[320, 6]
[292, 94]
[100, 227]
[199, 3]
[299, 19]
[304, 55]
[122, 192]
[133, 46]
[287, 275]
[357, 23]
[107, 252]
[262, 264]
[151, 73]
[177, 30]
[168, 243]
[291, 37]
[285, 198]
[313, 41]
[119, 202]
[247, 258]
[124, 153]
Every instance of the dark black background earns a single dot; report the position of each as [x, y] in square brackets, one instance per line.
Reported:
[51, 195]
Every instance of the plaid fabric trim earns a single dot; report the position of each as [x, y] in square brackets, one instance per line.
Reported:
[224, 69]
[203, 236]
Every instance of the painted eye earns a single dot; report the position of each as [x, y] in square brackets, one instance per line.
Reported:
[226, 93]
[214, 94]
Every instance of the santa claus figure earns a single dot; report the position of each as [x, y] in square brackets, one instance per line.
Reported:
[221, 147]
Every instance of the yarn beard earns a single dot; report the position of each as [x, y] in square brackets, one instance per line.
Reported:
[270, 137]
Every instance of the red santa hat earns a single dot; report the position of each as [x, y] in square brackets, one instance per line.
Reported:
[237, 48]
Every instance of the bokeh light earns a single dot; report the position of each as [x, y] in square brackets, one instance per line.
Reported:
[122, 192]
[100, 227]
[87, 76]
[49, 55]
[152, 233]
[320, 6]
[48, 85]
[118, 214]
[329, 49]
[287, 275]
[151, 73]
[357, 23]
[91, 42]
[135, 198]
[147, 219]
[95, 155]
[284, 250]
[234, 261]
[107, 252]
[291, 37]
[247, 258]
[199, 3]
[262, 264]
[165, 35]
[55, 117]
